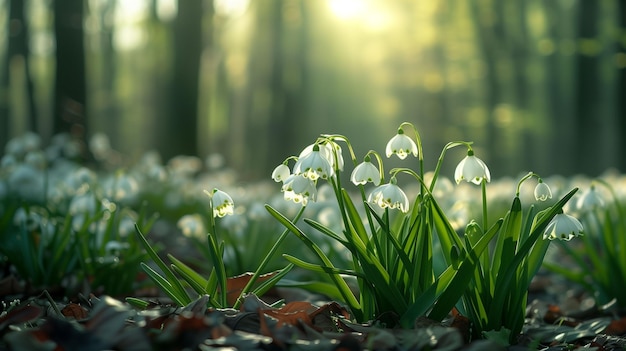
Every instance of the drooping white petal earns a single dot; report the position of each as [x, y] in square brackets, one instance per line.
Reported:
[401, 145]
[564, 227]
[542, 192]
[365, 172]
[472, 169]
[281, 172]
[221, 202]
[590, 200]
[389, 196]
[313, 165]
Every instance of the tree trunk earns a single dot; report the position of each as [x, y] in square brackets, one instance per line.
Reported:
[587, 90]
[70, 85]
[17, 48]
[489, 37]
[181, 133]
[621, 88]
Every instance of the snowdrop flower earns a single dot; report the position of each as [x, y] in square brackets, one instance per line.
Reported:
[222, 203]
[389, 196]
[564, 227]
[401, 145]
[280, 173]
[100, 146]
[314, 165]
[542, 191]
[590, 200]
[299, 189]
[80, 177]
[365, 172]
[26, 182]
[83, 203]
[36, 159]
[472, 169]
[121, 187]
[31, 220]
[8, 161]
[192, 226]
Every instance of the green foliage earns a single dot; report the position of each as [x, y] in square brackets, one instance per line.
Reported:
[600, 259]
[54, 249]
[496, 297]
[393, 246]
[174, 279]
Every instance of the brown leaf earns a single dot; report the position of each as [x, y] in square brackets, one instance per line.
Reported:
[292, 313]
[74, 310]
[617, 327]
[234, 285]
[463, 325]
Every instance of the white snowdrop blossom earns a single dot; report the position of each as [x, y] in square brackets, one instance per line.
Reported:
[542, 191]
[299, 189]
[401, 145]
[191, 225]
[365, 172]
[221, 202]
[564, 227]
[590, 200]
[389, 196]
[314, 165]
[472, 169]
[280, 173]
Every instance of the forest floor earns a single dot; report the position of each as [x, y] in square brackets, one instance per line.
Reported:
[559, 317]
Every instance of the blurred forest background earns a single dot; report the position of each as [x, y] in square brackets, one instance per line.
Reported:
[537, 84]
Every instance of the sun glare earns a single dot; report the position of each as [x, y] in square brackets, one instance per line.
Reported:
[347, 9]
[231, 8]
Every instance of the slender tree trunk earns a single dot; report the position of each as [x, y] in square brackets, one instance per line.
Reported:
[181, 133]
[587, 90]
[490, 43]
[17, 49]
[70, 84]
[266, 125]
[621, 88]
[110, 110]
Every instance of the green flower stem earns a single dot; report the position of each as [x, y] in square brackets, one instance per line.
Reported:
[483, 185]
[448, 146]
[266, 260]
[420, 153]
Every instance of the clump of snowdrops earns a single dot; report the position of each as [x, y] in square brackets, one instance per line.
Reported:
[60, 226]
[598, 263]
[393, 240]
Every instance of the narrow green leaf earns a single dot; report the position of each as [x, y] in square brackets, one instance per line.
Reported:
[137, 303]
[326, 289]
[394, 241]
[176, 286]
[321, 269]
[342, 286]
[218, 265]
[506, 243]
[449, 280]
[164, 284]
[182, 267]
[463, 275]
[327, 231]
[268, 284]
[505, 281]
